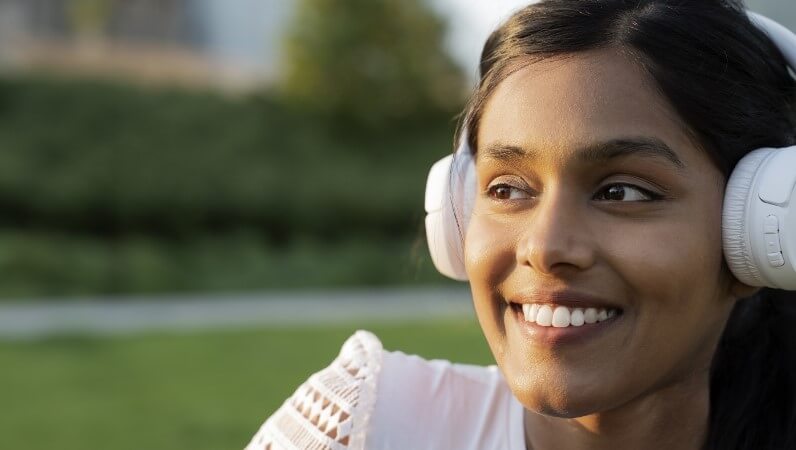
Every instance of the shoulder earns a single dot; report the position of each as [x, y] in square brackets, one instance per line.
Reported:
[330, 410]
[368, 398]
[440, 404]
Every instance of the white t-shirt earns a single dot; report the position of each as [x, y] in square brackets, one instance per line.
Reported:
[373, 399]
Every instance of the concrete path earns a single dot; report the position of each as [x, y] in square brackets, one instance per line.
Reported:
[21, 320]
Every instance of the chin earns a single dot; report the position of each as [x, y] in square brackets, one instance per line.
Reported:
[560, 401]
[561, 413]
[561, 409]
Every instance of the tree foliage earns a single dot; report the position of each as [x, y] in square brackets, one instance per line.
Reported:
[372, 61]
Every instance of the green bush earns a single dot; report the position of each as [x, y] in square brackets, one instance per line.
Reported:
[104, 158]
[52, 265]
[108, 188]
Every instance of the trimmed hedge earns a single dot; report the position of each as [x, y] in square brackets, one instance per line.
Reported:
[111, 159]
[42, 265]
[109, 188]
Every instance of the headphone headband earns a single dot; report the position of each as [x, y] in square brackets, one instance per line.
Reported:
[782, 37]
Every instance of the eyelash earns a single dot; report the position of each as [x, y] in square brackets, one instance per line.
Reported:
[652, 196]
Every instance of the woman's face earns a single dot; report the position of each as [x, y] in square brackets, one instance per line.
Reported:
[591, 195]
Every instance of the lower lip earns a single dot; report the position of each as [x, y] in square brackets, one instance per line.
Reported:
[553, 336]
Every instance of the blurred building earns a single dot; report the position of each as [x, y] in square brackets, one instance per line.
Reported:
[231, 44]
[227, 43]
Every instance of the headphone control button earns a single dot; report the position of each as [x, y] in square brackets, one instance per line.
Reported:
[772, 243]
[771, 225]
[776, 187]
[771, 236]
[776, 259]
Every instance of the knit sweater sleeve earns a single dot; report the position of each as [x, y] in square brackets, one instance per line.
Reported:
[331, 410]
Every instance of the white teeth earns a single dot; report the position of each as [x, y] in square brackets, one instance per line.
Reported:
[576, 318]
[534, 312]
[545, 316]
[561, 317]
[530, 310]
[526, 310]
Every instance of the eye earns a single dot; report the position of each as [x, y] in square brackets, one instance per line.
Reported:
[620, 192]
[506, 192]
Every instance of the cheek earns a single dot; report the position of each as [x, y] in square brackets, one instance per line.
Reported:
[665, 255]
[489, 259]
[680, 256]
[488, 251]
[672, 271]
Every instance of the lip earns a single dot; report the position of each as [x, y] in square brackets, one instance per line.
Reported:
[553, 336]
[569, 298]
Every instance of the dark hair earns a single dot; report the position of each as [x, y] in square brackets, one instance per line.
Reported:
[731, 86]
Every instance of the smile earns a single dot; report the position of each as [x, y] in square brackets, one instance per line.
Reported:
[560, 316]
[553, 324]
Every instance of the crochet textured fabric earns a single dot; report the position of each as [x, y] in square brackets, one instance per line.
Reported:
[331, 410]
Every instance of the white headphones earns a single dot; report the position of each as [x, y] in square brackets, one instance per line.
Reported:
[758, 219]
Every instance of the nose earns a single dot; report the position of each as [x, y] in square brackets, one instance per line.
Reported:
[556, 238]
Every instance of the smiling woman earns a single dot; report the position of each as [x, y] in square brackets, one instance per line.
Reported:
[633, 235]
[626, 233]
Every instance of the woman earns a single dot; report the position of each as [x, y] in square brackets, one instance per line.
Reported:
[601, 138]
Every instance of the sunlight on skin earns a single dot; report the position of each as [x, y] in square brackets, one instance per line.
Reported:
[642, 382]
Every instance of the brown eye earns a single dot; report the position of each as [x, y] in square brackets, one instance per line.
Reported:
[506, 192]
[502, 192]
[625, 193]
[615, 193]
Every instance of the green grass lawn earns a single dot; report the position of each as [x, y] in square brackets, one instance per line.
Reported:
[208, 390]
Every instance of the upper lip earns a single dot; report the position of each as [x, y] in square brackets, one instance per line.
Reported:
[568, 298]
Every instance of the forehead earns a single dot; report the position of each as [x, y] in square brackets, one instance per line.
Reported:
[565, 103]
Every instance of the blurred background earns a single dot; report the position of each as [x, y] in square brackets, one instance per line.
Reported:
[201, 199]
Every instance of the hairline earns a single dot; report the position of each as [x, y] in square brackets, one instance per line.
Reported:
[504, 68]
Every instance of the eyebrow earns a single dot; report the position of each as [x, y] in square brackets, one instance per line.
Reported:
[600, 152]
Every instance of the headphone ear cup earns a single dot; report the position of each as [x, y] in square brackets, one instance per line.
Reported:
[441, 228]
[736, 218]
[450, 194]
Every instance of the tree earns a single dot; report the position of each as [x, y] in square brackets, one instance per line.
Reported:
[371, 61]
[89, 17]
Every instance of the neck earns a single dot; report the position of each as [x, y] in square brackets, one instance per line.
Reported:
[672, 417]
